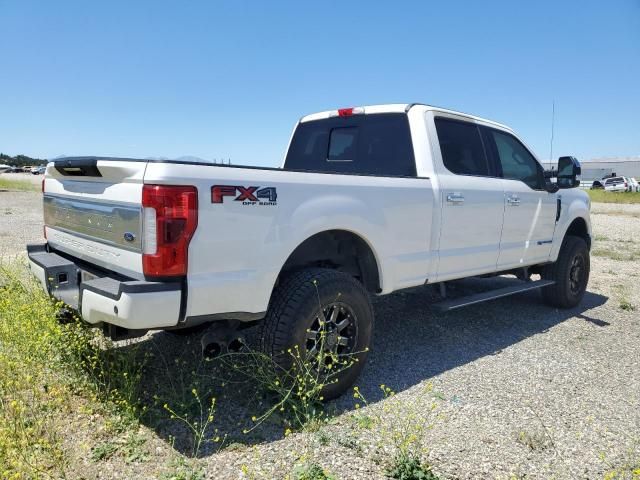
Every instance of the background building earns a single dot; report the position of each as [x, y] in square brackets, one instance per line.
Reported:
[596, 168]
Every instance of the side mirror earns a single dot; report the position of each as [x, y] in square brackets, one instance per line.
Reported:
[569, 171]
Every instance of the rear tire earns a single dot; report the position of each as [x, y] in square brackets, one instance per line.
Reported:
[570, 272]
[294, 314]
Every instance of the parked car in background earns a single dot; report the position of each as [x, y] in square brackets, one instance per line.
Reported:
[635, 186]
[616, 184]
[597, 185]
[38, 170]
[5, 168]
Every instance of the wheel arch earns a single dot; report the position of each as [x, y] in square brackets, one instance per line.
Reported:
[578, 228]
[339, 249]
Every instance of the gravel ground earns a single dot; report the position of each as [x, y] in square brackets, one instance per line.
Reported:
[20, 216]
[521, 390]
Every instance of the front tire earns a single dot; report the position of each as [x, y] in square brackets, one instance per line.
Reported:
[570, 272]
[320, 310]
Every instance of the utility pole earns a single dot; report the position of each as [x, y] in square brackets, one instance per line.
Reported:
[553, 117]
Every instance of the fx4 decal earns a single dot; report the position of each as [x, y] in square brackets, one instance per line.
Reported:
[246, 195]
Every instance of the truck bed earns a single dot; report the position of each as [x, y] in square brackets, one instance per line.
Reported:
[240, 245]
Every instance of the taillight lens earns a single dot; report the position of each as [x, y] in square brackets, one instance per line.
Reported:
[170, 217]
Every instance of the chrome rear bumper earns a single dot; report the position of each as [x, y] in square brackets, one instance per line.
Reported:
[103, 298]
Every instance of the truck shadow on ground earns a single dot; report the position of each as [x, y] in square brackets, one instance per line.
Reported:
[412, 343]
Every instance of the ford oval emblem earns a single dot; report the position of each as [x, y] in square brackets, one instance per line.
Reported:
[129, 237]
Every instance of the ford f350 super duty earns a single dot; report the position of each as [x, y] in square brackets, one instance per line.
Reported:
[369, 200]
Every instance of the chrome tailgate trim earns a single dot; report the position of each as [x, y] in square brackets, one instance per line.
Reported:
[111, 223]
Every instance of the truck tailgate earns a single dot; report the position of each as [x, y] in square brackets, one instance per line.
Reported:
[92, 211]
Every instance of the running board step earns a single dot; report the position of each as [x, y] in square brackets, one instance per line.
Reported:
[448, 305]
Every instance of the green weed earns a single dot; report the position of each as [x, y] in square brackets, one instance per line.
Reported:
[405, 434]
[409, 467]
[103, 451]
[626, 305]
[323, 438]
[182, 469]
[625, 467]
[534, 440]
[363, 421]
[295, 393]
[200, 424]
[133, 450]
[310, 471]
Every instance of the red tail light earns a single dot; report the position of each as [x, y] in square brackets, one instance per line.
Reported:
[347, 112]
[170, 219]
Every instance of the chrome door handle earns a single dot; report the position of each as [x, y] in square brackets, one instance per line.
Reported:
[455, 198]
[513, 200]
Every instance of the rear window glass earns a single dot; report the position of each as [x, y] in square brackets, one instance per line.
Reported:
[461, 147]
[342, 144]
[377, 144]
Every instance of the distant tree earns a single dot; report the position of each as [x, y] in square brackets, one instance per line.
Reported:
[21, 160]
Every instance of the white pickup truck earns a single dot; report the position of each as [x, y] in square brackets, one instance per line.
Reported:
[369, 200]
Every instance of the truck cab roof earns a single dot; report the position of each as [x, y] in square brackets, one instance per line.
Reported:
[396, 108]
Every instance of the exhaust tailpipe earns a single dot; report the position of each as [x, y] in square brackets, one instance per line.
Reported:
[237, 345]
[221, 341]
[212, 349]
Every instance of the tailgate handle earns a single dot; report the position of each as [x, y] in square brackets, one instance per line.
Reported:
[78, 167]
[455, 198]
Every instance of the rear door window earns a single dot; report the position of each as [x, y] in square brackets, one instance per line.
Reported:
[376, 144]
[461, 147]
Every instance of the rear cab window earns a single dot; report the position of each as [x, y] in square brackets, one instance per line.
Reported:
[373, 144]
[461, 147]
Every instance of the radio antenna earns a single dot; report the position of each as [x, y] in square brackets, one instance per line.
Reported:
[553, 117]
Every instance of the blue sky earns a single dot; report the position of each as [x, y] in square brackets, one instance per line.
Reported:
[230, 78]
